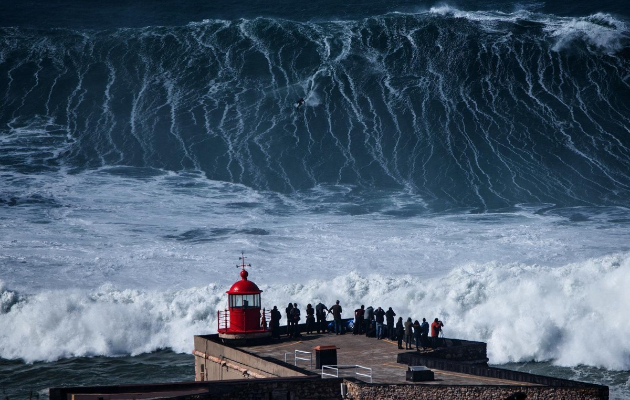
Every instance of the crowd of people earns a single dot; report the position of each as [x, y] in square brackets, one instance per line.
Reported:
[368, 321]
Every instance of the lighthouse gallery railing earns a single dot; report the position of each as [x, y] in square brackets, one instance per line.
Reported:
[223, 319]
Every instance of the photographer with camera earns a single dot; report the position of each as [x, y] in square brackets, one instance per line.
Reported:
[436, 327]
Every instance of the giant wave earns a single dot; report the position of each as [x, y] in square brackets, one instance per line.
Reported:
[465, 109]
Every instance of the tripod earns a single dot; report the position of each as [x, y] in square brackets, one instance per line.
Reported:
[441, 336]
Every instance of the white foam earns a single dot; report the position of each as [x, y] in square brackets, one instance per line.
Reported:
[600, 30]
[573, 315]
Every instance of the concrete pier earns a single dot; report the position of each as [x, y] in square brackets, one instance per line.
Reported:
[235, 372]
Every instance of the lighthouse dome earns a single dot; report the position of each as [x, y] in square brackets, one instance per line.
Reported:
[244, 286]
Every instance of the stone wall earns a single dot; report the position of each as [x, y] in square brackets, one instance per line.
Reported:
[276, 389]
[314, 388]
[358, 390]
[464, 351]
[216, 361]
[299, 388]
[489, 372]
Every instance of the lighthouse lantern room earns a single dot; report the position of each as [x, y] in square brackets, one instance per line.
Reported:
[244, 319]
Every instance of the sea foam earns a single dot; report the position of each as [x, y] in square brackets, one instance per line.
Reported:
[570, 315]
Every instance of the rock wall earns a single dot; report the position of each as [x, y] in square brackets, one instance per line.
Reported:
[272, 389]
[361, 391]
[464, 351]
[315, 388]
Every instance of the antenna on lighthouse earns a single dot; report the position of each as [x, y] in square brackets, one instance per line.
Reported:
[242, 258]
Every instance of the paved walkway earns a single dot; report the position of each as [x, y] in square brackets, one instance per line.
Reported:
[380, 355]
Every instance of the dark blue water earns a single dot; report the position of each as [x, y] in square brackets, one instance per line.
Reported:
[137, 14]
[143, 144]
[481, 109]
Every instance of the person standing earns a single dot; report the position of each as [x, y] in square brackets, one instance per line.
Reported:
[358, 320]
[416, 333]
[310, 318]
[424, 331]
[400, 331]
[295, 319]
[389, 316]
[320, 312]
[424, 334]
[275, 323]
[368, 315]
[436, 327]
[289, 320]
[379, 315]
[408, 335]
[336, 312]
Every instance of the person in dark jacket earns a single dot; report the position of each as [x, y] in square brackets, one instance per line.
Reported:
[389, 316]
[416, 333]
[275, 323]
[400, 332]
[336, 311]
[379, 315]
[321, 312]
[368, 316]
[295, 319]
[358, 320]
[310, 319]
[424, 334]
[289, 324]
[408, 334]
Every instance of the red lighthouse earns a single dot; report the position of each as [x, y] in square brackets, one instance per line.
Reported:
[243, 320]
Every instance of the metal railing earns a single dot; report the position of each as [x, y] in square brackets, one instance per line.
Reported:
[265, 319]
[356, 368]
[296, 358]
[223, 319]
[310, 357]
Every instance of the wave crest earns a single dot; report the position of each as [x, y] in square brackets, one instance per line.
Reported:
[524, 312]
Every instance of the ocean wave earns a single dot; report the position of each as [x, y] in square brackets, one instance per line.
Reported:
[463, 108]
[524, 312]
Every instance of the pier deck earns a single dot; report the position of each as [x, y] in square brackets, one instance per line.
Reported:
[380, 355]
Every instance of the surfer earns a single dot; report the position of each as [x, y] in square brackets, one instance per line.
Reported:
[299, 103]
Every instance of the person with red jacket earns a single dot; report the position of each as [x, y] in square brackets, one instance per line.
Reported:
[436, 327]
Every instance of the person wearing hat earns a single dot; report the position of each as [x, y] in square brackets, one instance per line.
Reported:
[336, 312]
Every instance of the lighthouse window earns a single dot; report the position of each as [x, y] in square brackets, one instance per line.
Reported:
[236, 301]
[251, 300]
[243, 301]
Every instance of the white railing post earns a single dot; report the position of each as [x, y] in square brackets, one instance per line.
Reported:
[296, 358]
[356, 368]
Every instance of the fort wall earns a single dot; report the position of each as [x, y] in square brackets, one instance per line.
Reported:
[215, 361]
[314, 388]
[359, 390]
